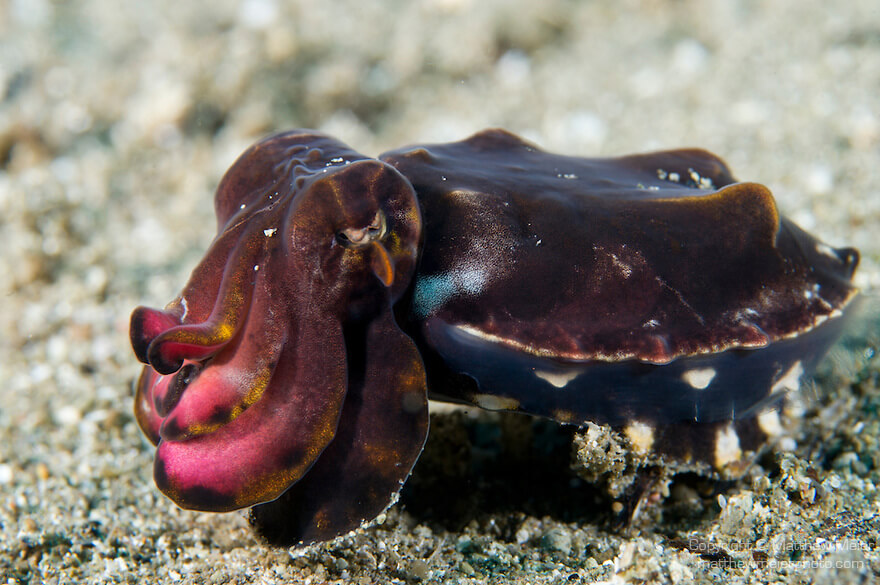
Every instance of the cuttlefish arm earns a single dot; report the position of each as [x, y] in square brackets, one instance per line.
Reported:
[381, 434]
[281, 357]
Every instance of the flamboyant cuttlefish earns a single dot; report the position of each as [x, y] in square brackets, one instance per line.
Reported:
[646, 292]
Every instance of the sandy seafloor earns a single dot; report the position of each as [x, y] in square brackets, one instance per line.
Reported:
[117, 120]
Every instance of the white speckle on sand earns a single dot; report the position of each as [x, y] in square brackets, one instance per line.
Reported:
[641, 436]
[258, 14]
[769, 422]
[5, 474]
[727, 449]
[819, 180]
[68, 415]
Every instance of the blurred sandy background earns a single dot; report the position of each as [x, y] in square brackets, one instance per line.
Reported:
[117, 120]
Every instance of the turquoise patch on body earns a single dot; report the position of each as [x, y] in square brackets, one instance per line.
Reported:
[431, 292]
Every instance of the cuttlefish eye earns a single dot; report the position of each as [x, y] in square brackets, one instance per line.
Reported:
[358, 237]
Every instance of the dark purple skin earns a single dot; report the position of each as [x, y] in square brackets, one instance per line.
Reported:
[609, 271]
[290, 373]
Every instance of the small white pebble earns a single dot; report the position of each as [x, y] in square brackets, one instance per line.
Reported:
[96, 278]
[689, 57]
[68, 415]
[40, 373]
[819, 180]
[56, 349]
[258, 14]
[787, 444]
[97, 416]
[114, 566]
[5, 474]
[513, 68]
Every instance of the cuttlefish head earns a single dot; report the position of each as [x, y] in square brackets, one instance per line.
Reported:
[248, 370]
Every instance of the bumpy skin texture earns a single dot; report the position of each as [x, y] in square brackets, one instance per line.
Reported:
[648, 289]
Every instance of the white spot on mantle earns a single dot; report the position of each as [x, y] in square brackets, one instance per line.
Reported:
[557, 379]
[699, 378]
[270, 232]
[492, 402]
